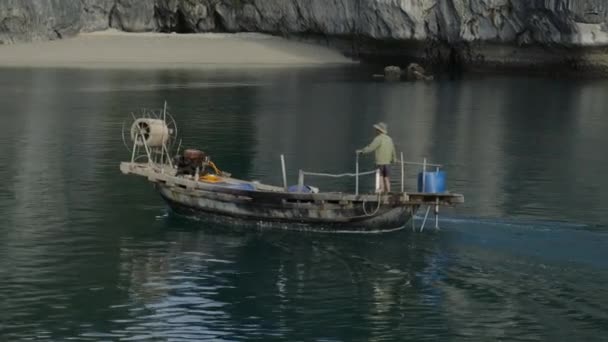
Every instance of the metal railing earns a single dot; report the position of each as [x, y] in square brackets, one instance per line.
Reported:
[402, 163]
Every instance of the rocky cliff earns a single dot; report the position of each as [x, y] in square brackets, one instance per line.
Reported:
[467, 32]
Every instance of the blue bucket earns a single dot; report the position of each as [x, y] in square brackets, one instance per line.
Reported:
[434, 182]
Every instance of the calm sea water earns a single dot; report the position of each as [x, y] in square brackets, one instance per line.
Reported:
[89, 254]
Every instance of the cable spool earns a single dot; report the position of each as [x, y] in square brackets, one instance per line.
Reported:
[154, 132]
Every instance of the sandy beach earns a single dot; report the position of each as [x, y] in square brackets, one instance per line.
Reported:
[113, 49]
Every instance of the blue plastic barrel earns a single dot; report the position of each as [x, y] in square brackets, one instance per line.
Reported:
[434, 182]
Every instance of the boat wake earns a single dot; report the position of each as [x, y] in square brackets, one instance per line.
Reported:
[511, 223]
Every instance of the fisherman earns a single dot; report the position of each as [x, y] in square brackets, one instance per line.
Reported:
[385, 154]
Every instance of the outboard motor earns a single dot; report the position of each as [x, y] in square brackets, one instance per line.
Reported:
[189, 161]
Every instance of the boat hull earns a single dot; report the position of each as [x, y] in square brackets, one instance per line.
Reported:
[270, 206]
[280, 211]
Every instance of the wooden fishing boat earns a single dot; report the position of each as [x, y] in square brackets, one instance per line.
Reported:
[194, 187]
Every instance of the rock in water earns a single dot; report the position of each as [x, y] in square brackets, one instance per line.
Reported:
[392, 73]
[415, 72]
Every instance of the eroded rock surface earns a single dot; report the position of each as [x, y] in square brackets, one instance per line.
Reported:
[462, 31]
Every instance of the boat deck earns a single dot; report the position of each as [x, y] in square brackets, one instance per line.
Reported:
[166, 176]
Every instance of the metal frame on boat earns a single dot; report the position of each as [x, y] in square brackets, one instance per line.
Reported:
[223, 197]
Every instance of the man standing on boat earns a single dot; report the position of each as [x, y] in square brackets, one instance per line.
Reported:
[385, 154]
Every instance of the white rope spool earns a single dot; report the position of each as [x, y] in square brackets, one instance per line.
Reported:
[153, 132]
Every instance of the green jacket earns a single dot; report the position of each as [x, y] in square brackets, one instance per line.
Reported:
[384, 148]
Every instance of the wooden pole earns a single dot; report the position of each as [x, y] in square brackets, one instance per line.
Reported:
[162, 155]
[428, 208]
[357, 174]
[284, 172]
[437, 213]
[402, 174]
[301, 181]
[423, 175]
[134, 150]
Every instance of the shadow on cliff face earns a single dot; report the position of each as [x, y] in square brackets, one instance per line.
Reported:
[437, 59]
[172, 22]
[457, 61]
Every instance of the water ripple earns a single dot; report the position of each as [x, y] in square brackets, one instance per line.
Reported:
[89, 254]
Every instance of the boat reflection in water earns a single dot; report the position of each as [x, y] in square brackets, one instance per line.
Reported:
[237, 283]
